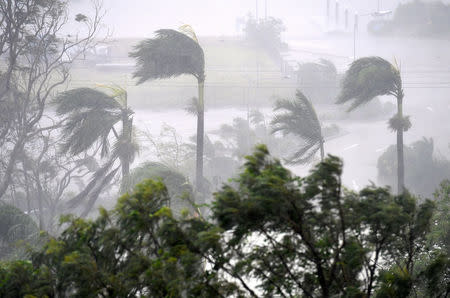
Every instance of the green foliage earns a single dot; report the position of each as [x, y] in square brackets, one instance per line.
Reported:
[299, 119]
[271, 234]
[169, 54]
[313, 238]
[440, 233]
[17, 230]
[424, 172]
[179, 189]
[22, 279]
[138, 249]
[91, 117]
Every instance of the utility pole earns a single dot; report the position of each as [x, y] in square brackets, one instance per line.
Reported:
[346, 19]
[328, 12]
[355, 30]
[265, 10]
[337, 13]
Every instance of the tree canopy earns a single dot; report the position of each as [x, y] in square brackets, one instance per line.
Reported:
[271, 234]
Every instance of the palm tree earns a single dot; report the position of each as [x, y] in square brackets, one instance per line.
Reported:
[367, 78]
[172, 53]
[300, 119]
[91, 119]
[90, 123]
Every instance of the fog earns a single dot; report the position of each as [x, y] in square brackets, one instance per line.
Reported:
[224, 148]
[304, 47]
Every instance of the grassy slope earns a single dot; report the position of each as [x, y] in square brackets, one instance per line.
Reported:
[236, 74]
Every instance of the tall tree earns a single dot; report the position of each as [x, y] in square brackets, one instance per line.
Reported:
[36, 57]
[300, 119]
[367, 78]
[172, 53]
[90, 120]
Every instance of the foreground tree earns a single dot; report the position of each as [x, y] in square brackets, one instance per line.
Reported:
[15, 227]
[271, 234]
[300, 119]
[36, 57]
[172, 53]
[370, 77]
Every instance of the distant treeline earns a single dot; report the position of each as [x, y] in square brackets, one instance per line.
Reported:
[416, 18]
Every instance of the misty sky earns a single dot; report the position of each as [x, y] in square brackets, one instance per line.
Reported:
[140, 18]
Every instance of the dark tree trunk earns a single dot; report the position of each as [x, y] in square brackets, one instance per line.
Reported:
[200, 135]
[127, 131]
[400, 161]
[322, 150]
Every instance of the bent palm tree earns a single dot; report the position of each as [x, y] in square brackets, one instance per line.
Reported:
[370, 77]
[300, 119]
[172, 53]
[91, 117]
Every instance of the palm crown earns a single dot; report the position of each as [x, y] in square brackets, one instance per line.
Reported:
[300, 119]
[367, 78]
[171, 53]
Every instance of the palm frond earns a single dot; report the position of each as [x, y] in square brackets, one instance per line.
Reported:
[84, 129]
[91, 115]
[95, 193]
[193, 106]
[97, 177]
[304, 155]
[126, 149]
[300, 119]
[83, 98]
[397, 123]
[170, 54]
[189, 31]
[367, 78]
[117, 92]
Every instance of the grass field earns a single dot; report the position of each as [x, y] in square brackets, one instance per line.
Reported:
[236, 74]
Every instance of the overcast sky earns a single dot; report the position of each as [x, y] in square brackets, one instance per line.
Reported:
[140, 18]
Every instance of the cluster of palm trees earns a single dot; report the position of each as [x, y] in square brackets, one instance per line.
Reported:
[366, 78]
[92, 115]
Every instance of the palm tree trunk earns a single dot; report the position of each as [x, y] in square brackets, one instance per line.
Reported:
[322, 150]
[200, 135]
[127, 126]
[400, 161]
[125, 167]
